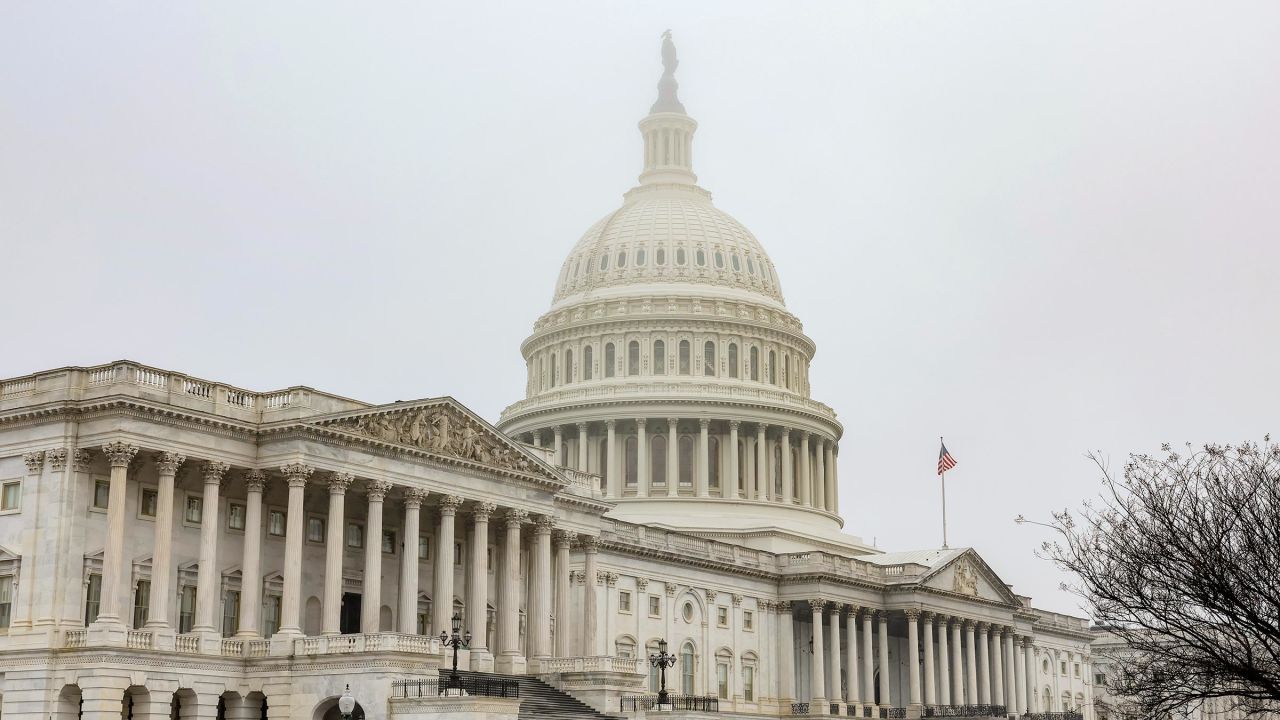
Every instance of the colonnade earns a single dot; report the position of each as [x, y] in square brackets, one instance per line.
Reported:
[700, 457]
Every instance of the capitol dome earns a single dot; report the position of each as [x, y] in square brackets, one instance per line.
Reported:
[669, 371]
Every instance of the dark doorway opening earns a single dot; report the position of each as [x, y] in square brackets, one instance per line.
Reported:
[350, 621]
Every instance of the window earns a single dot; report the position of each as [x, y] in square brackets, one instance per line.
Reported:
[633, 358]
[686, 461]
[424, 547]
[422, 623]
[719, 260]
[92, 598]
[748, 620]
[6, 600]
[701, 257]
[586, 362]
[1099, 679]
[722, 616]
[275, 523]
[709, 359]
[658, 460]
[1064, 668]
[553, 370]
[660, 256]
[11, 495]
[195, 509]
[141, 599]
[624, 601]
[640, 256]
[733, 360]
[149, 503]
[1077, 669]
[722, 680]
[684, 357]
[629, 461]
[680, 256]
[389, 542]
[687, 612]
[755, 363]
[654, 680]
[751, 266]
[655, 606]
[737, 263]
[748, 675]
[773, 368]
[315, 529]
[568, 366]
[271, 616]
[686, 669]
[457, 553]
[186, 609]
[231, 613]
[604, 263]
[1045, 666]
[659, 357]
[786, 370]
[101, 494]
[608, 360]
[235, 516]
[713, 462]
[355, 535]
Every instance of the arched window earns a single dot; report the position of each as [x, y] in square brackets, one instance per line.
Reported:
[625, 646]
[701, 257]
[553, 369]
[568, 366]
[680, 256]
[751, 266]
[709, 359]
[713, 462]
[686, 668]
[724, 658]
[604, 262]
[684, 357]
[660, 257]
[608, 360]
[786, 370]
[622, 260]
[658, 460]
[742, 466]
[755, 363]
[737, 263]
[749, 664]
[586, 362]
[777, 471]
[686, 461]
[542, 381]
[640, 256]
[733, 360]
[633, 358]
[630, 461]
[654, 681]
[659, 357]
[719, 260]
[602, 461]
[773, 368]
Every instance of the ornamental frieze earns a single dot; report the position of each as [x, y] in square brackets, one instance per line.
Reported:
[439, 430]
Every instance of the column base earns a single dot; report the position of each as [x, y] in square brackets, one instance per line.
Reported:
[163, 636]
[819, 706]
[481, 660]
[282, 642]
[106, 631]
[915, 711]
[210, 642]
[510, 664]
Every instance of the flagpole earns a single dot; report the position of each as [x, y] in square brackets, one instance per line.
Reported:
[944, 502]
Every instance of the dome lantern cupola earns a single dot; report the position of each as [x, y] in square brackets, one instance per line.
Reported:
[667, 130]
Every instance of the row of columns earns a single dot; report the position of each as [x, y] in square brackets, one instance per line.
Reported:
[995, 667]
[812, 484]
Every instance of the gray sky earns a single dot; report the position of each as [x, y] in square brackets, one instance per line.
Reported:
[1035, 228]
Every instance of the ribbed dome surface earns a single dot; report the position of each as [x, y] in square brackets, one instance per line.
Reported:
[668, 234]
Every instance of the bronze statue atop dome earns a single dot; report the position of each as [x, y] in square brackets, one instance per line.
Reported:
[667, 86]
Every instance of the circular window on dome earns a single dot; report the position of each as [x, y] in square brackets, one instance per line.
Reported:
[640, 256]
[737, 263]
[604, 263]
[622, 259]
[679, 256]
[751, 266]
[701, 257]
[719, 260]
[688, 611]
[660, 257]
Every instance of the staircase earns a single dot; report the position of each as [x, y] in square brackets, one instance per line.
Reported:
[540, 701]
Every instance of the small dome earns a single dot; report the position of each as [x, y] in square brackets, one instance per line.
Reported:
[669, 235]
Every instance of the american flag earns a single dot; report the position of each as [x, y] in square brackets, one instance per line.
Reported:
[945, 461]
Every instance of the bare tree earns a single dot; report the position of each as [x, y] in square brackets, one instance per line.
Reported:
[1181, 557]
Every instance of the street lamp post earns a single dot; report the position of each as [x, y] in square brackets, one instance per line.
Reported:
[662, 660]
[346, 703]
[457, 640]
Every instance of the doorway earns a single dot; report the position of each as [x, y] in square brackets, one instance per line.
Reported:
[349, 623]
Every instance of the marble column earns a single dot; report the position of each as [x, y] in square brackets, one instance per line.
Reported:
[997, 666]
[335, 537]
[413, 498]
[478, 587]
[944, 661]
[673, 457]
[958, 696]
[612, 474]
[913, 656]
[820, 476]
[926, 624]
[119, 454]
[295, 474]
[984, 666]
[868, 659]
[729, 482]
[557, 434]
[852, 696]
[540, 594]
[583, 446]
[537, 438]
[704, 458]
[642, 460]
[971, 695]
[885, 700]
[23, 608]
[1020, 677]
[162, 555]
[761, 480]
[591, 551]
[509, 656]
[208, 579]
[786, 652]
[442, 587]
[748, 466]
[564, 623]
[833, 640]
[371, 595]
[817, 681]
[829, 481]
[788, 482]
[804, 478]
[1029, 657]
[255, 482]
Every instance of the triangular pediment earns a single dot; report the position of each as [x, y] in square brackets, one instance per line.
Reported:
[445, 428]
[968, 574]
[7, 554]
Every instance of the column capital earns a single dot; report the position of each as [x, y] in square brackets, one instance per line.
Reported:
[482, 511]
[817, 604]
[213, 470]
[610, 579]
[736, 599]
[704, 423]
[929, 616]
[672, 423]
[786, 433]
[642, 584]
[733, 424]
[376, 490]
[761, 429]
[711, 595]
[255, 480]
[640, 423]
[119, 454]
[34, 461]
[449, 505]
[1027, 642]
[882, 615]
[669, 588]
[610, 423]
[582, 427]
[913, 614]
[296, 474]
[339, 482]
[168, 463]
[590, 543]
[57, 457]
[968, 625]
[783, 607]
[82, 459]
[414, 497]
[564, 539]
[543, 525]
[997, 630]
[515, 518]
[983, 627]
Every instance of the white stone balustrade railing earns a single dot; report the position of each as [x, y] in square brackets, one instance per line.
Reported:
[257, 648]
[75, 638]
[393, 642]
[187, 644]
[595, 663]
[232, 648]
[585, 483]
[620, 389]
[140, 640]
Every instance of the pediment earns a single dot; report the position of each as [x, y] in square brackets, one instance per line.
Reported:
[7, 554]
[968, 574]
[443, 427]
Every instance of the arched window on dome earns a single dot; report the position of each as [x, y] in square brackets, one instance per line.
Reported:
[686, 461]
[602, 461]
[733, 360]
[742, 468]
[719, 260]
[751, 265]
[713, 462]
[701, 257]
[633, 357]
[542, 382]
[658, 460]
[737, 263]
[640, 257]
[629, 462]
[680, 256]
[552, 374]
[660, 257]
[622, 259]
[577, 268]
[777, 470]
[772, 368]
[786, 370]
[755, 363]
[795, 474]
[587, 358]
[608, 360]
[568, 366]
[709, 359]
[684, 357]
[659, 357]
[604, 262]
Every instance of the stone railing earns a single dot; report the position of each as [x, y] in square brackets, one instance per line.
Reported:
[232, 648]
[388, 642]
[257, 648]
[617, 390]
[584, 483]
[75, 638]
[594, 663]
[187, 643]
[140, 640]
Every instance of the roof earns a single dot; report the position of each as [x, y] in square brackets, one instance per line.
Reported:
[928, 558]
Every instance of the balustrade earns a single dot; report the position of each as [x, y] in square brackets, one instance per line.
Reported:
[187, 644]
[140, 640]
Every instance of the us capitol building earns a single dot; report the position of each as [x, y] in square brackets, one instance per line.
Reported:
[174, 547]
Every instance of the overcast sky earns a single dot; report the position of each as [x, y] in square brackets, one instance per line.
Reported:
[1035, 228]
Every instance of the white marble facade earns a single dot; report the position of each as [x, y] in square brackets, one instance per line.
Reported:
[173, 545]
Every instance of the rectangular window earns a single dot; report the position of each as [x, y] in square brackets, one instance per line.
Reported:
[271, 616]
[488, 558]
[749, 683]
[457, 553]
[722, 616]
[101, 494]
[275, 523]
[235, 516]
[355, 535]
[195, 509]
[141, 599]
[655, 606]
[1064, 667]
[1099, 679]
[11, 495]
[422, 623]
[6, 600]
[315, 529]
[186, 609]
[389, 542]
[149, 502]
[1077, 669]
[624, 601]
[722, 681]
[92, 599]
[231, 613]
[424, 547]
[748, 620]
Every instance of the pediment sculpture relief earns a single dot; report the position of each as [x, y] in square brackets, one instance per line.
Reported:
[966, 579]
[443, 431]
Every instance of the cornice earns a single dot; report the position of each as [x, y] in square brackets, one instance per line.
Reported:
[506, 419]
[641, 551]
[666, 323]
[113, 405]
